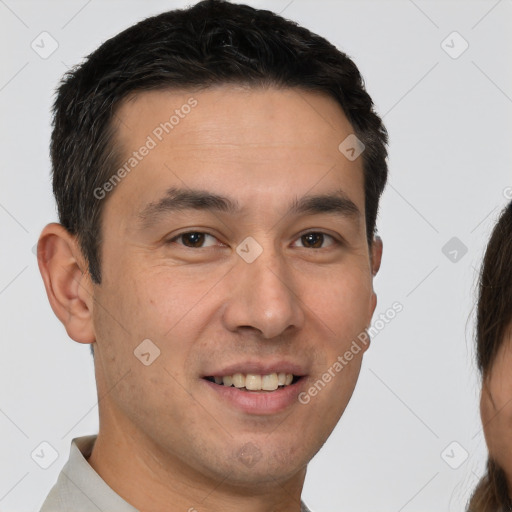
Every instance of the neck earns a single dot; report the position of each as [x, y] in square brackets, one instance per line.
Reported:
[148, 479]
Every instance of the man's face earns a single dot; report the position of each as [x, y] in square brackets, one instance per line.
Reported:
[290, 299]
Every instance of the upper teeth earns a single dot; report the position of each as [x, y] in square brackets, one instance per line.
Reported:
[255, 382]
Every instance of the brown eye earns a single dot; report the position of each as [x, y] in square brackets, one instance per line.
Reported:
[317, 240]
[194, 240]
[313, 240]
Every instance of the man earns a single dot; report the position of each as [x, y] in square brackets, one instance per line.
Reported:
[217, 172]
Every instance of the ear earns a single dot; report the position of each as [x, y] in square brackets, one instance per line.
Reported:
[376, 254]
[67, 281]
[375, 261]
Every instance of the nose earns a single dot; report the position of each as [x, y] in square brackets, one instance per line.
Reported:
[263, 296]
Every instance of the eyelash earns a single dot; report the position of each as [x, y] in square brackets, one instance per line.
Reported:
[334, 241]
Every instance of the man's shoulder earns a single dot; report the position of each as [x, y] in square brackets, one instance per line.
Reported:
[64, 493]
[303, 507]
[79, 488]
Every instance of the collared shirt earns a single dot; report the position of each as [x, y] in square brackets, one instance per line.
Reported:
[80, 489]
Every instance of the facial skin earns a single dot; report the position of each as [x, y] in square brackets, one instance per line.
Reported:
[496, 408]
[167, 436]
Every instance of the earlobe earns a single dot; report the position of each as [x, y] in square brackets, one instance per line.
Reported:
[67, 282]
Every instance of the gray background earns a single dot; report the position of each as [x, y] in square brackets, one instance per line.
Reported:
[450, 129]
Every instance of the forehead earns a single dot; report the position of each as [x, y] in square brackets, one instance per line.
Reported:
[237, 116]
[253, 143]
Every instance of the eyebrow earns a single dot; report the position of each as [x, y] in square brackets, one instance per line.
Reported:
[178, 200]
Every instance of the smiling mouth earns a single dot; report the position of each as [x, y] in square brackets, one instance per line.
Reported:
[255, 382]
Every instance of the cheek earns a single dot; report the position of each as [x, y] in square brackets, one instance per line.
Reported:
[159, 303]
[496, 414]
[329, 391]
[486, 414]
[136, 309]
[345, 307]
[342, 313]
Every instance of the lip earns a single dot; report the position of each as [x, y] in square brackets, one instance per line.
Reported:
[259, 368]
[261, 403]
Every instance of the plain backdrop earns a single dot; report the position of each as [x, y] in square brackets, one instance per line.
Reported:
[440, 75]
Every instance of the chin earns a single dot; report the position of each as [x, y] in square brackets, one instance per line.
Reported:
[261, 475]
[244, 465]
[269, 465]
